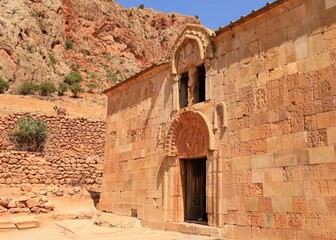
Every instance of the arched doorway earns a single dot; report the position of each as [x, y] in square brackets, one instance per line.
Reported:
[189, 143]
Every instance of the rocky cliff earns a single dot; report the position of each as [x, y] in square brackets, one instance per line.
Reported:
[45, 40]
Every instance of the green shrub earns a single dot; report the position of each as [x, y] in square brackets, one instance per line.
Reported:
[73, 77]
[92, 86]
[28, 88]
[76, 89]
[197, 17]
[68, 44]
[141, 6]
[163, 40]
[47, 88]
[29, 134]
[62, 88]
[4, 86]
[53, 60]
[113, 77]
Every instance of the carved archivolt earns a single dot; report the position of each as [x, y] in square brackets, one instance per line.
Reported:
[192, 35]
[189, 136]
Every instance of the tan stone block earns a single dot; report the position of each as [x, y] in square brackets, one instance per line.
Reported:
[227, 231]
[332, 118]
[251, 204]
[262, 161]
[5, 224]
[323, 120]
[331, 134]
[301, 48]
[315, 44]
[324, 59]
[285, 159]
[292, 68]
[265, 204]
[269, 220]
[26, 222]
[322, 155]
[282, 204]
[241, 163]
[292, 189]
[330, 3]
[274, 175]
[272, 189]
[263, 77]
[245, 135]
[278, 72]
[125, 148]
[272, 144]
[243, 232]
[257, 175]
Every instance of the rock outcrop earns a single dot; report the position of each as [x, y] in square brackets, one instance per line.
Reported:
[45, 40]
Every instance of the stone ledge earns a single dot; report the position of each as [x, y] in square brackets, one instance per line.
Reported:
[19, 223]
[183, 227]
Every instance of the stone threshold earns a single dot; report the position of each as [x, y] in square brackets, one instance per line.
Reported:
[185, 227]
[19, 223]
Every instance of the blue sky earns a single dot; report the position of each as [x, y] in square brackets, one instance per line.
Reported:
[212, 13]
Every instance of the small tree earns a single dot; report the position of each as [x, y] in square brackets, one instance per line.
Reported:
[46, 88]
[76, 89]
[4, 86]
[68, 44]
[92, 86]
[28, 88]
[73, 77]
[62, 88]
[141, 6]
[29, 134]
[53, 60]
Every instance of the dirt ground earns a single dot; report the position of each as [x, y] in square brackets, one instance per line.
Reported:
[88, 106]
[75, 217]
[86, 230]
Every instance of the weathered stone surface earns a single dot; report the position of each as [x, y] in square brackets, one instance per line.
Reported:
[25, 222]
[49, 206]
[33, 202]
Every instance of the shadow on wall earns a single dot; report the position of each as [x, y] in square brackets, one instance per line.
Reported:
[95, 196]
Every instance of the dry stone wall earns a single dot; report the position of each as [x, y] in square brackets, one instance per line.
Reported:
[73, 153]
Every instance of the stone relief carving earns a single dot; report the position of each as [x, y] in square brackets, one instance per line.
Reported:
[188, 56]
[260, 99]
[191, 141]
[193, 45]
[189, 136]
[220, 116]
[113, 139]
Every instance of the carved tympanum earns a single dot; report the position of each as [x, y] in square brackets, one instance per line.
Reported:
[192, 47]
[188, 56]
[189, 136]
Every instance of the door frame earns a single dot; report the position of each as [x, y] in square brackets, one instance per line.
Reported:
[187, 163]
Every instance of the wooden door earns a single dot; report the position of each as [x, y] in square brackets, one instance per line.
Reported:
[195, 190]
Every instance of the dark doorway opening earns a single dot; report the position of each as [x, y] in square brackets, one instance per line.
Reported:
[194, 191]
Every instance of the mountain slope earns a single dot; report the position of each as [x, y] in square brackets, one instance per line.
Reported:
[45, 40]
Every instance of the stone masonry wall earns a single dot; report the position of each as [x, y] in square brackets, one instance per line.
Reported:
[73, 153]
[272, 172]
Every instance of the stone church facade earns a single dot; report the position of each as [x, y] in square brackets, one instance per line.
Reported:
[237, 132]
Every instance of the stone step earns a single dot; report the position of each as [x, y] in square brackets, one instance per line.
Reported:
[24, 222]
